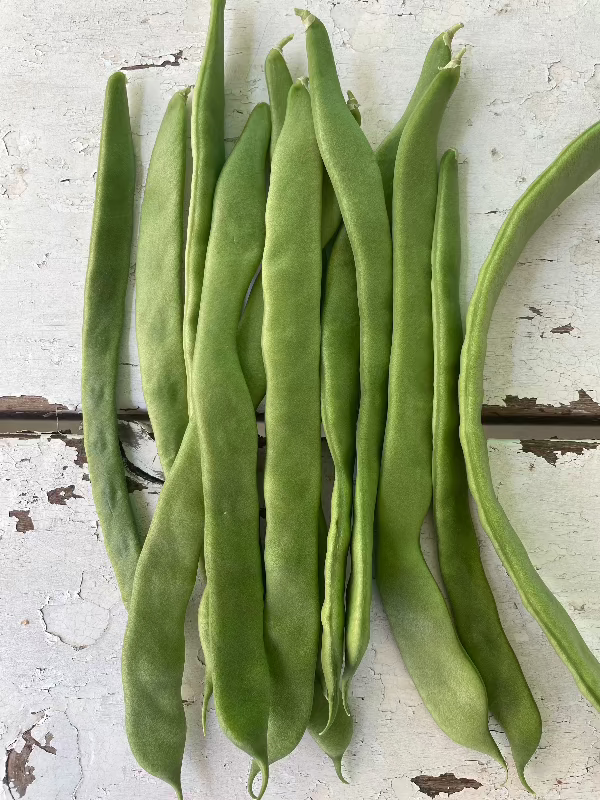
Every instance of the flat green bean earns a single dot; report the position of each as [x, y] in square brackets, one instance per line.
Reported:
[154, 646]
[291, 340]
[208, 156]
[158, 285]
[339, 386]
[443, 674]
[471, 599]
[357, 182]
[104, 313]
[577, 162]
[228, 446]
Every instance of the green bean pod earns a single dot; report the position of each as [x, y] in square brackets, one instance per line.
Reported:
[279, 82]
[335, 740]
[208, 155]
[291, 340]
[577, 162]
[104, 314]
[357, 182]
[341, 370]
[228, 446]
[443, 674]
[331, 218]
[158, 285]
[340, 392]
[154, 646]
[471, 599]
[250, 352]
[438, 55]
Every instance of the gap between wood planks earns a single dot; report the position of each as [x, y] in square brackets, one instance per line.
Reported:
[561, 429]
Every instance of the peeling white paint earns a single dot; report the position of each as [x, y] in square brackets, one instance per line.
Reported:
[57, 577]
[530, 84]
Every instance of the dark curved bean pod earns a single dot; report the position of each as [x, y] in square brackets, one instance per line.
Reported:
[104, 313]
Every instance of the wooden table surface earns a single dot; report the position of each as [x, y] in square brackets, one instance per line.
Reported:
[530, 83]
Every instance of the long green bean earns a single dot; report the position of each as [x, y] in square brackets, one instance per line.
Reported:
[104, 313]
[443, 674]
[577, 162]
[341, 430]
[471, 599]
[357, 182]
[228, 446]
[291, 341]
[208, 155]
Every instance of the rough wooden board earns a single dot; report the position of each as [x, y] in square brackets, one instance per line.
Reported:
[63, 625]
[530, 83]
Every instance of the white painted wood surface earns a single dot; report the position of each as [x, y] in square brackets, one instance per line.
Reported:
[531, 82]
[63, 624]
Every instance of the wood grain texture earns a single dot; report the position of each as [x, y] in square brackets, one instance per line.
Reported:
[531, 82]
[63, 625]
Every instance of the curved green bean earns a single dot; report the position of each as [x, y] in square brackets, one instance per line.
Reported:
[577, 162]
[208, 155]
[291, 340]
[341, 370]
[154, 646]
[104, 313]
[357, 182]
[158, 285]
[279, 83]
[443, 674]
[228, 446]
[471, 599]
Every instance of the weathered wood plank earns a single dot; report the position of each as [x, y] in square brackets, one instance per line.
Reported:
[530, 83]
[61, 708]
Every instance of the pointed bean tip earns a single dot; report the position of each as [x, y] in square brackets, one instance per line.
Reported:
[305, 15]
[455, 62]
[337, 763]
[352, 101]
[283, 43]
[521, 774]
[450, 33]
[254, 770]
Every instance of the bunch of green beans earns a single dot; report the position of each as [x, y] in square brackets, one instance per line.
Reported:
[331, 288]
